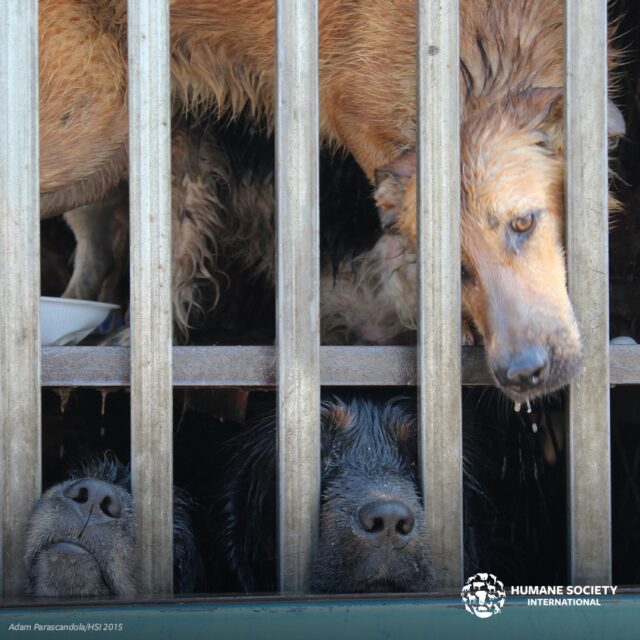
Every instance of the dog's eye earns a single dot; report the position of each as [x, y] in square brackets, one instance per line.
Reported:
[523, 223]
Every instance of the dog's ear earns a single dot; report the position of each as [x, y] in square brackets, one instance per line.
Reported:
[391, 181]
[543, 110]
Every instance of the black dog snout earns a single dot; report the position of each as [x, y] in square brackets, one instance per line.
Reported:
[93, 496]
[386, 518]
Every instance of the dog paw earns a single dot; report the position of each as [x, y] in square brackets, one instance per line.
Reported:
[392, 180]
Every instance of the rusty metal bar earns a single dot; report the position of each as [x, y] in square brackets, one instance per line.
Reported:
[20, 411]
[439, 368]
[151, 323]
[589, 465]
[297, 301]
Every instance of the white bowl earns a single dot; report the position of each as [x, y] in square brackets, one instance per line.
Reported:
[66, 321]
[623, 340]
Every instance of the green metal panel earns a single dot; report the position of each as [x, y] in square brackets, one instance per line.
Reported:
[313, 619]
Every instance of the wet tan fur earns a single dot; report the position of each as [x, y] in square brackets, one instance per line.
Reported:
[223, 58]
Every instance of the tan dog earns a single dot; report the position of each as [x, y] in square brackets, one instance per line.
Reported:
[514, 284]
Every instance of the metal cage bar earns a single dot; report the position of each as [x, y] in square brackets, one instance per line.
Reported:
[297, 297]
[151, 323]
[250, 366]
[298, 354]
[439, 356]
[20, 411]
[587, 240]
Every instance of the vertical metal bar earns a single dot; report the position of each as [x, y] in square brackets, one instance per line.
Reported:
[20, 412]
[587, 239]
[151, 324]
[439, 369]
[297, 147]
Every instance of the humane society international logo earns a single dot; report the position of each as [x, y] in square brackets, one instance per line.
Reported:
[483, 595]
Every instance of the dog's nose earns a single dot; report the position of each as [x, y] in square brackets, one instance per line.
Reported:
[95, 497]
[386, 519]
[527, 370]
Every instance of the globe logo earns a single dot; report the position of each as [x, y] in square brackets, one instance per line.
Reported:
[483, 595]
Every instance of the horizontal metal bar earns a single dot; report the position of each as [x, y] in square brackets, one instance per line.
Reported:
[255, 366]
[244, 366]
[624, 364]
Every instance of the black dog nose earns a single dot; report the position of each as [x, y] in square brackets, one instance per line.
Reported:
[383, 518]
[94, 496]
[526, 371]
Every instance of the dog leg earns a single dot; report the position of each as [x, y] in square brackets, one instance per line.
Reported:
[94, 259]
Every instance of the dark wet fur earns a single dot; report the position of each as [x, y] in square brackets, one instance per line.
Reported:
[375, 454]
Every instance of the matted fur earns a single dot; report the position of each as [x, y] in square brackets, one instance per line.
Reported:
[223, 207]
